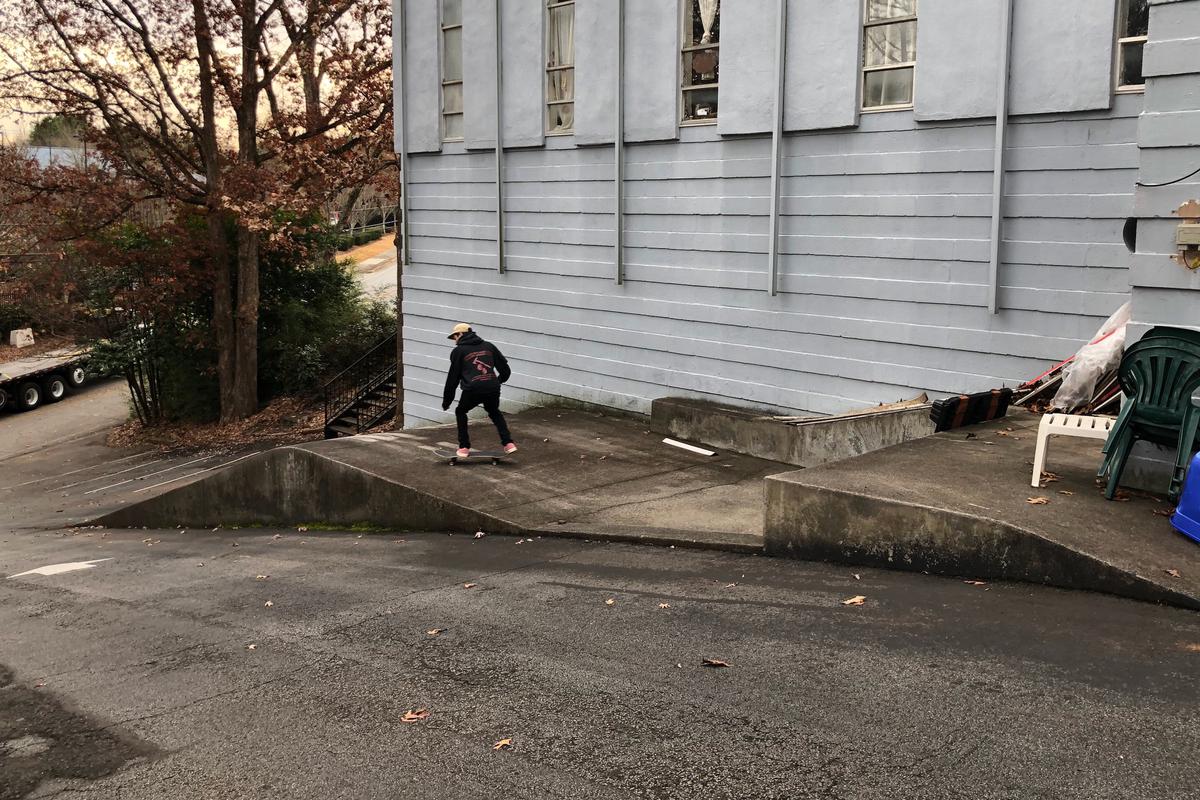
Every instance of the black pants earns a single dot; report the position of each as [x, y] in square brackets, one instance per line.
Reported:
[491, 404]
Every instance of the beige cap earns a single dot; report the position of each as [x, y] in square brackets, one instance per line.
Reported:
[461, 327]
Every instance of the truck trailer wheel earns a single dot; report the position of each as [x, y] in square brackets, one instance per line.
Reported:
[76, 377]
[3, 399]
[55, 388]
[29, 396]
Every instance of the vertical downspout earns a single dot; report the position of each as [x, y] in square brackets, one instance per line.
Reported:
[619, 151]
[998, 158]
[499, 141]
[401, 229]
[776, 152]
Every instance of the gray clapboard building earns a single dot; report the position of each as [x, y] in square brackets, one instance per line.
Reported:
[805, 205]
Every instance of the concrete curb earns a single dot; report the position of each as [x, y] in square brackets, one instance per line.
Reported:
[817, 523]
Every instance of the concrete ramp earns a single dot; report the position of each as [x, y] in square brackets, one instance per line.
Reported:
[957, 503]
[576, 474]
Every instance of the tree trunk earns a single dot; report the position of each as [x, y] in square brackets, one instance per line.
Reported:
[245, 323]
[245, 400]
[222, 322]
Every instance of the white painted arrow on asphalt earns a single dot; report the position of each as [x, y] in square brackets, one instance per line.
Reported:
[57, 569]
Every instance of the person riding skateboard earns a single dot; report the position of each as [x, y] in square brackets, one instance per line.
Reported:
[474, 365]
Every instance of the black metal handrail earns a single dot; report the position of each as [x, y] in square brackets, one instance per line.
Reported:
[372, 373]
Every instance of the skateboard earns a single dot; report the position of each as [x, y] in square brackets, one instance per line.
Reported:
[495, 456]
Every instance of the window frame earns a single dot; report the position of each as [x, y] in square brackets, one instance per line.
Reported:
[550, 5]
[443, 83]
[685, 27]
[868, 23]
[1119, 54]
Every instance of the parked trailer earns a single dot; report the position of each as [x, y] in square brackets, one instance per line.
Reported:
[29, 382]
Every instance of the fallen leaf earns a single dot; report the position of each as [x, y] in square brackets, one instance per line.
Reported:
[302, 528]
[1067, 492]
[857, 577]
[1122, 496]
[268, 604]
[261, 577]
[715, 662]
[1037, 501]
[970, 436]
[277, 537]
[610, 602]
[1162, 512]
[1174, 573]
[39, 685]
[976, 583]
[470, 585]
[664, 605]
[201, 564]
[233, 544]
[857, 600]
[435, 631]
[251, 647]
[730, 585]
[1194, 647]
[480, 534]
[415, 715]
[503, 744]
[1002, 433]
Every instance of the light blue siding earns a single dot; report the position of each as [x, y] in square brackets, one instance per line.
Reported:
[884, 266]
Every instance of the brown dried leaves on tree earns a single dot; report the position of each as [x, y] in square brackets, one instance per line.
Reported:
[254, 113]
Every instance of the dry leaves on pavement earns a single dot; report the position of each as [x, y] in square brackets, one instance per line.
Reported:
[268, 604]
[1192, 647]
[1037, 501]
[1048, 478]
[470, 585]
[610, 602]
[1066, 492]
[435, 631]
[857, 600]
[415, 715]
[715, 662]
[251, 647]
[1174, 573]
[261, 577]
[1162, 512]
[664, 605]
[976, 583]
[503, 744]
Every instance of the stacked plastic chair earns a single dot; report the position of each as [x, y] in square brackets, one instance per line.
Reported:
[1158, 375]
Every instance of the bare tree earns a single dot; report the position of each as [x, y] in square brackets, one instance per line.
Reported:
[258, 112]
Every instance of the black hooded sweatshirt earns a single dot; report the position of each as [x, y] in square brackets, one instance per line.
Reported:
[474, 365]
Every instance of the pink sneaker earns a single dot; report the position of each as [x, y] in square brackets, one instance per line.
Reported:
[510, 448]
[463, 452]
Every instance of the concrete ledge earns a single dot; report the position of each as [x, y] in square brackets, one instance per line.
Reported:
[294, 486]
[953, 505]
[807, 443]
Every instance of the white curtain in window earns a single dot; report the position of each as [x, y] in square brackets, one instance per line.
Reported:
[708, 15]
[562, 53]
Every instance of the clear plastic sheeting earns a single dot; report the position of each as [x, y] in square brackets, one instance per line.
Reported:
[1094, 360]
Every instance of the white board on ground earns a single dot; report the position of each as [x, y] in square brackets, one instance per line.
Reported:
[689, 447]
[58, 569]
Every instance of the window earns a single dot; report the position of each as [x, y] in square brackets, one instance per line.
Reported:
[701, 56]
[1132, 25]
[452, 71]
[560, 66]
[889, 53]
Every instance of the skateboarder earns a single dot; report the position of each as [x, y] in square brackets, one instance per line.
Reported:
[474, 365]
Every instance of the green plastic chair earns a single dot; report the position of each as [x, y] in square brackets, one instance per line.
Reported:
[1158, 375]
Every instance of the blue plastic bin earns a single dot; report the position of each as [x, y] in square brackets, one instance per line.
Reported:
[1186, 518]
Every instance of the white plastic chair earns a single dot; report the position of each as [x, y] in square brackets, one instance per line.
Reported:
[1079, 425]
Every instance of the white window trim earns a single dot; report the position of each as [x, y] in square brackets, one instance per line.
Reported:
[864, 69]
[444, 83]
[685, 27]
[1129, 88]
[550, 6]
[1119, 55]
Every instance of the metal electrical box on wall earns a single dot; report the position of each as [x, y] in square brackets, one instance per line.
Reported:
[1187, 235]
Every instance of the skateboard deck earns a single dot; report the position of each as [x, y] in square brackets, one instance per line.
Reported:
[495, 456]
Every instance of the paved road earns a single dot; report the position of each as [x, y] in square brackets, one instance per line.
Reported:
[134, 677]
[96, 407]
